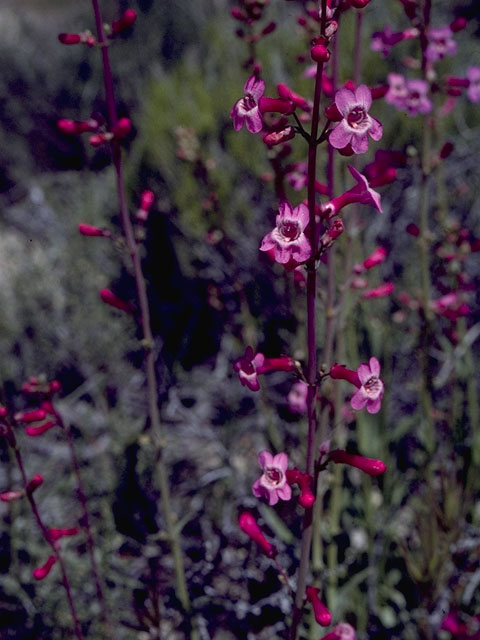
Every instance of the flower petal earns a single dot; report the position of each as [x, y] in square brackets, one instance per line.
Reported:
[280, 461]
[285, 492]
[253, 121]
[374, 366]
[302, 215]
[363, 96]
[376, 129]
[265, 459]
[360, 143]
[364, 373]
[345, 100]
[340, 136]
[373, 406]
[359, 399]
[267, 243]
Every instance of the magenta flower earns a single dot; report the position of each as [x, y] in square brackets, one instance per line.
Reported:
[383, 290]
[440, 44]
[272, 484]
[247, 368]
[288, 238]
[361, 192]
[371, 391]
[408, 95]
[297, 398]
[245, 111]
[473, 91]
[356, 125]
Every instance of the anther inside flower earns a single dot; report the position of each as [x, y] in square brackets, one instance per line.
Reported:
[356, 125]
[288, 238]
[245, 111]
[272, 484]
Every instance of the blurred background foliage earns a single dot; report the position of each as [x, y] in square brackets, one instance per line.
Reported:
[399, 553]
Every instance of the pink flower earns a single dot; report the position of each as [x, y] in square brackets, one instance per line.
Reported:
[288, 238]
[361, 192]
[297, 398]
[322, 615]
[341, 631]
[373, 260]
[371, 390]
[247, 366]
[356, 125]
[440, 44]
[272, 484]
[473, 91]
[367, 465]
[385, 289]
[408, 95]
[43, 571]
[249, 526]
[245, 111]
[383, 41]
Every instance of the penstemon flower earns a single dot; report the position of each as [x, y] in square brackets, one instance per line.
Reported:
[371, 390]
[356, 125]
[247, 368]
[288, 238]
[440, 44]
[361, 192]
[272, 484]
[473, 91]
[245, 111]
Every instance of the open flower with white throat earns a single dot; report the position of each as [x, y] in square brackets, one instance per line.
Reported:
[370, 393]
[288, 238]
[272, 484]
[245, 111]
[356, 124]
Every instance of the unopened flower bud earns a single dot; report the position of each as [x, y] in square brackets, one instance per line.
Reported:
[100, 139]
[277, 137]
[108, 297]
[125, 21]
[70, 38]
[275, 105]
[332, 234]
[320, 53]
[458, 24]
[30, 416]
[34, 483]
[271, 26]
[238, 14]
[42, 572]
[413, 229]
[320, 611]
[75, 127]
[90, 230]
[122, 128]
[383, 290]
[10, 496]
[446, 150]
[359, 4]
[146, 201]
[367, 465]
[56, 534]
[249, 526]
[41, 429]
[3, 411]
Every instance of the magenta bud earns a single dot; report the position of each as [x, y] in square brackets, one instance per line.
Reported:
[56, 534]
[125, 21]
[458, 24]
[446, 150]
[34, 483]
[270, 28]
[10, 496]
[238, 14]
[30, 416]
[340, 372]
[320, 611]
[413, 229]
[320, 53]
[275, 105]
[41, 429]
[42, 572]
[249, 526]
[367, 465]
[108, 297]
[122, 128]
[70, 38]
[91, 231]
[359, 4]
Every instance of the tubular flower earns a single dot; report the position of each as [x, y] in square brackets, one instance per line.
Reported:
[356, 125]
[247, 368]
[473, 91]
[245, 111]
[361, 192]
[367, 465]
[440, 44]
[288, 238]
[249, 526]
[371, 390]
[272, 484]
[320, 611]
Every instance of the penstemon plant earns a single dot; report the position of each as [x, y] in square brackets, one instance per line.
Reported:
[363, 491]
